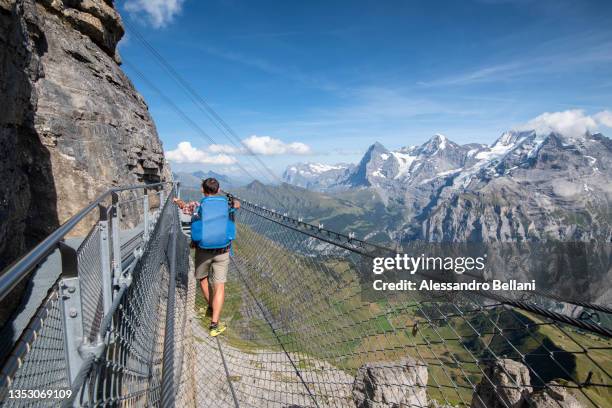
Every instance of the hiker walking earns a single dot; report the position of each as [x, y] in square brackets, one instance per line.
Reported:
[212, 233]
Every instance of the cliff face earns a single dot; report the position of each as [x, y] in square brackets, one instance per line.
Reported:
[71, 123]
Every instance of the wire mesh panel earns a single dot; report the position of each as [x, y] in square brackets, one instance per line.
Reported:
[41, 379]
[125, 351]
[304, 331]
[90, 275]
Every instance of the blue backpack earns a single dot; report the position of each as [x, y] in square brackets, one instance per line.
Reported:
[211, 225]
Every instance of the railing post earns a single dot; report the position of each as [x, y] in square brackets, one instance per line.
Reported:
[105, 261]
[161, 199]
[70, 303]
[115, 229]
[145, 204]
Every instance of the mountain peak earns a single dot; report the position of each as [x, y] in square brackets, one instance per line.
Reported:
[436, 143]
[440, 137]
[377, 147]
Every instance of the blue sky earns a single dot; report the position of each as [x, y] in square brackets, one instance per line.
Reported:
[322, 80]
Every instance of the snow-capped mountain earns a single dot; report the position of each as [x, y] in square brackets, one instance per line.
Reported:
[389, 172]
[316, 176]
[524, 186]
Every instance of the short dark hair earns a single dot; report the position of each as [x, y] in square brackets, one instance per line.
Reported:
[210, 186]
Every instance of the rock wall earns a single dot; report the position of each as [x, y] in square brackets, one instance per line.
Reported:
[71, 123]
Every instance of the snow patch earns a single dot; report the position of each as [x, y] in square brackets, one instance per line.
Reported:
[449, 172]
[443, 140]
[322, 168]
[591, 160]
[404, 160]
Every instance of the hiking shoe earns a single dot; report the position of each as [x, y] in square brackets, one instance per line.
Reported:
[216, 329]
[208, 312]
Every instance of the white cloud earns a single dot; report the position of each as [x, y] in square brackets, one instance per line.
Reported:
[604, 118]
[186, 153]
[268, 146]
[263, 145]
[572, 123]
[158, 12]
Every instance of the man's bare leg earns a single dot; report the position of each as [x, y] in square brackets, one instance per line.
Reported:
[218, 296]
[205, 290]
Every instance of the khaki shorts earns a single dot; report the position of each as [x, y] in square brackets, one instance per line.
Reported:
[211, 265]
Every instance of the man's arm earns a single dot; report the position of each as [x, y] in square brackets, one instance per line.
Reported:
[187, 208]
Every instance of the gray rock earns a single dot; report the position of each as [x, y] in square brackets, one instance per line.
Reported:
[391, 384]
[505, 384]
[71, 123]
[553, 396]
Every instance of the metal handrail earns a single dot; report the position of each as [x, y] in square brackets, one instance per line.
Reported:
[15, 273]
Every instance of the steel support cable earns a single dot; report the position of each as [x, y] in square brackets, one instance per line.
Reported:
[310, 234]
[199, 101]
[198, 129]
[604, 331]
[549, 295]
[488, 294]
[227, 374]
[201, 132]
[271, 215]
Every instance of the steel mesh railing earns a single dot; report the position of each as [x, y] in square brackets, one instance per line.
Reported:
[124, 347]
[129, 372]
[304, 331]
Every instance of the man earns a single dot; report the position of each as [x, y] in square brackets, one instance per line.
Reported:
[212, 234]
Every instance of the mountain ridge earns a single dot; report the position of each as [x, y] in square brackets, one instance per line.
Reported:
[524, 186]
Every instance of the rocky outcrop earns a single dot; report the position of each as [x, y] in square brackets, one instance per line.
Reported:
[71, 123]
[391, 384]
[506, 383]
[97, 19]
